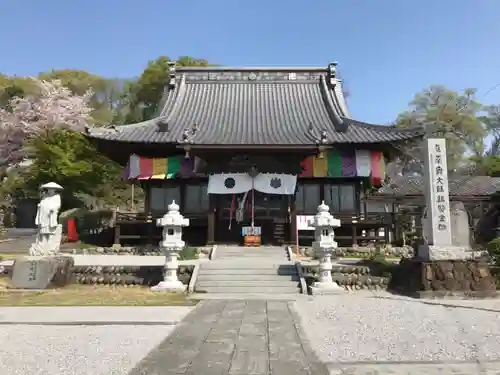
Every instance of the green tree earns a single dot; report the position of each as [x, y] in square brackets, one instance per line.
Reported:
[11, 87]
[487, 160]
[454, 115]
[68, 157]
[146, 93]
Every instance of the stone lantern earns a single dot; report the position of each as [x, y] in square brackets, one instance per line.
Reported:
[324, 246]
[171, 244]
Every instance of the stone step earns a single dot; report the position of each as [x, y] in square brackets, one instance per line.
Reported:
[251, 250]
[249, 271]
[247, 296]
[246, 256]
[247, 283]
[249, 265]
[251, 290]
[250, 253]
[238, 276]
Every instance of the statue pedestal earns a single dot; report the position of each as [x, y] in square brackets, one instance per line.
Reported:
[431, 252]
[320, 289]
[169, 286]
[459, 278]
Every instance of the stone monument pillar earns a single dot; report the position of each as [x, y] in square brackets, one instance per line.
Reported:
[324, 246]
[437, 221]
[441, 268]
[171, 244]
[49, 236]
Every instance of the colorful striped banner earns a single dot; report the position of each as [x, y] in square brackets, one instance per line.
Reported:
[334, 168]
[345, 163]
[332, 163]
[173, 167]
[159, 168]
[143, 168]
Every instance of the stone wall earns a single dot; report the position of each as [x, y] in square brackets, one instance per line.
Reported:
[113, 275]
[130, 250]
[443, 278]
[352, 277]
[146, 275]
[364, 252]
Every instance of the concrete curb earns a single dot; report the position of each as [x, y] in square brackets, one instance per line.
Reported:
[289, 253]
[93, 323]
[414, 367]
[303, 285]
[114, 260]
[194, 277]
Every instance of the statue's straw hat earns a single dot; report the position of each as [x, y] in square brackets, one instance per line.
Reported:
[51, 185]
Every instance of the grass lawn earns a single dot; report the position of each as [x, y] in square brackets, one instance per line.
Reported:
[91, 295]
[11, 256]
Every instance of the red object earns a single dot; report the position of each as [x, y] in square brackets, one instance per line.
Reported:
[307, 167]
[375, 162]
[146, 168]
[72, 233]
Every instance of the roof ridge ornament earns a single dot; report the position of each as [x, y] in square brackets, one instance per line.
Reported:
[171, 74]
[332, 74]
[189, 133]
[332, 69]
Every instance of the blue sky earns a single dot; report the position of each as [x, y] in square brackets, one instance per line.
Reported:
[387, 49]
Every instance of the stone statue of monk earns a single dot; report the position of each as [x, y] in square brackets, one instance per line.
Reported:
[48, 240]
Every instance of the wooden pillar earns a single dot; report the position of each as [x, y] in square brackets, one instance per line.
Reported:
[182, 195]
[150, 230]
[387, 228]
[116, 240]
[211, 220]
[354, 235]
[394, 227]
[293, 221]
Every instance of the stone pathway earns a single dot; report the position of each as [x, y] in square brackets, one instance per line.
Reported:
[235, 338]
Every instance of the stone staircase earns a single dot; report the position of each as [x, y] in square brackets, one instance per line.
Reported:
[248, 270]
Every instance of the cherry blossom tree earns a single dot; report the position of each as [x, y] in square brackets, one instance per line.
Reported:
[55, 107]
[25, 119]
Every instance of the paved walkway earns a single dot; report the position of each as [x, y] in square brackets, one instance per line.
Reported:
[235, 338]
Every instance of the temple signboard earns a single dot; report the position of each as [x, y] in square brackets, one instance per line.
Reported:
[436, 193]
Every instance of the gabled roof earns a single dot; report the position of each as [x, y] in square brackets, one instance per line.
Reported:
[254, 106]
[460, 186]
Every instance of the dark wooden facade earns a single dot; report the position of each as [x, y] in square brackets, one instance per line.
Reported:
[235, 119]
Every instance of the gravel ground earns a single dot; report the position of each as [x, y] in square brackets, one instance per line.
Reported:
[352, 328]
[76, 350]
[94, 314]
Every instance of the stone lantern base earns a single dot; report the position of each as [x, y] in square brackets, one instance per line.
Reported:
[170, 287]
[329, 288]
[431, 252]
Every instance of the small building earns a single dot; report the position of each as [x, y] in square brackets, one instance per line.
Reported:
[220, 129]
[405, 197]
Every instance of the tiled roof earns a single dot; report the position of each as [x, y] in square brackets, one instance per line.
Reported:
[256, 107]
[463, 186]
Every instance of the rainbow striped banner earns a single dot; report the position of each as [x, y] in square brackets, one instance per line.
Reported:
[348, 163]
[143, 168]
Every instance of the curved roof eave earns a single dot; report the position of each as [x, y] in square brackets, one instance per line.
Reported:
[233, 110]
